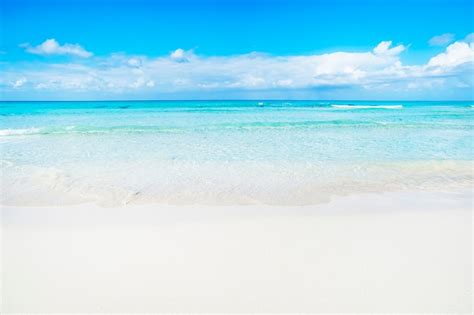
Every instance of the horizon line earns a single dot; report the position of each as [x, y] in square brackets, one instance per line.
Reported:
[236, 100]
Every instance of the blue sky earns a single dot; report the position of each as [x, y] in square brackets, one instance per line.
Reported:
[141, 49]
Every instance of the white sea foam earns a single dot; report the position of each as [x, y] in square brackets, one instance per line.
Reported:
[15, 132]
[347, 106]
[218, 183]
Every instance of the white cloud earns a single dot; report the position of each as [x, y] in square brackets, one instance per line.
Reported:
[441, 40]
[150, 83]
[18, 83]
[137, 83]
[52, 47]
[181, 55]
[456, 54]
[374, 70]
[384, 49]
[134, 62]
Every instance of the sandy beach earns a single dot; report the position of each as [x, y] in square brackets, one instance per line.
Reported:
[392, 252]
[263, 156]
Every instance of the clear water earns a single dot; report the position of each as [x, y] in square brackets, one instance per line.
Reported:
[230, 152]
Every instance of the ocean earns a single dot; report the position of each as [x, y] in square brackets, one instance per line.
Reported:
[230, 152]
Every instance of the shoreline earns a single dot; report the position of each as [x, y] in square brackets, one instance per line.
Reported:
[391, 252]
[463, 192]
[187, 183]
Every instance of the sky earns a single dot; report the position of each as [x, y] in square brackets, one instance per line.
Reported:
[260, 49]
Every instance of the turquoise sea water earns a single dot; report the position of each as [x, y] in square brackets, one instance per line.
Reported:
[230, 152]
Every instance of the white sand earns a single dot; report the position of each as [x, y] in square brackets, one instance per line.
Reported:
[395, 252]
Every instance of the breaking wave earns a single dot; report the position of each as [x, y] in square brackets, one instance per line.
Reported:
[345, 106]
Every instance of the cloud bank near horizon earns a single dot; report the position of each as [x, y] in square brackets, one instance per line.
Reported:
[379, 70]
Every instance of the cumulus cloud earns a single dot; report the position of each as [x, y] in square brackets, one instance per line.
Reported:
[181, 55]
[384, 49]
[52, 47]
[456, 54]
[441, 40]
[377, 69]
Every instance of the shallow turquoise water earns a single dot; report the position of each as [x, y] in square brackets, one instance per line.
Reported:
[287, 152]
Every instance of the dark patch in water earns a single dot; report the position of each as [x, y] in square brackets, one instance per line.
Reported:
[124, 107]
